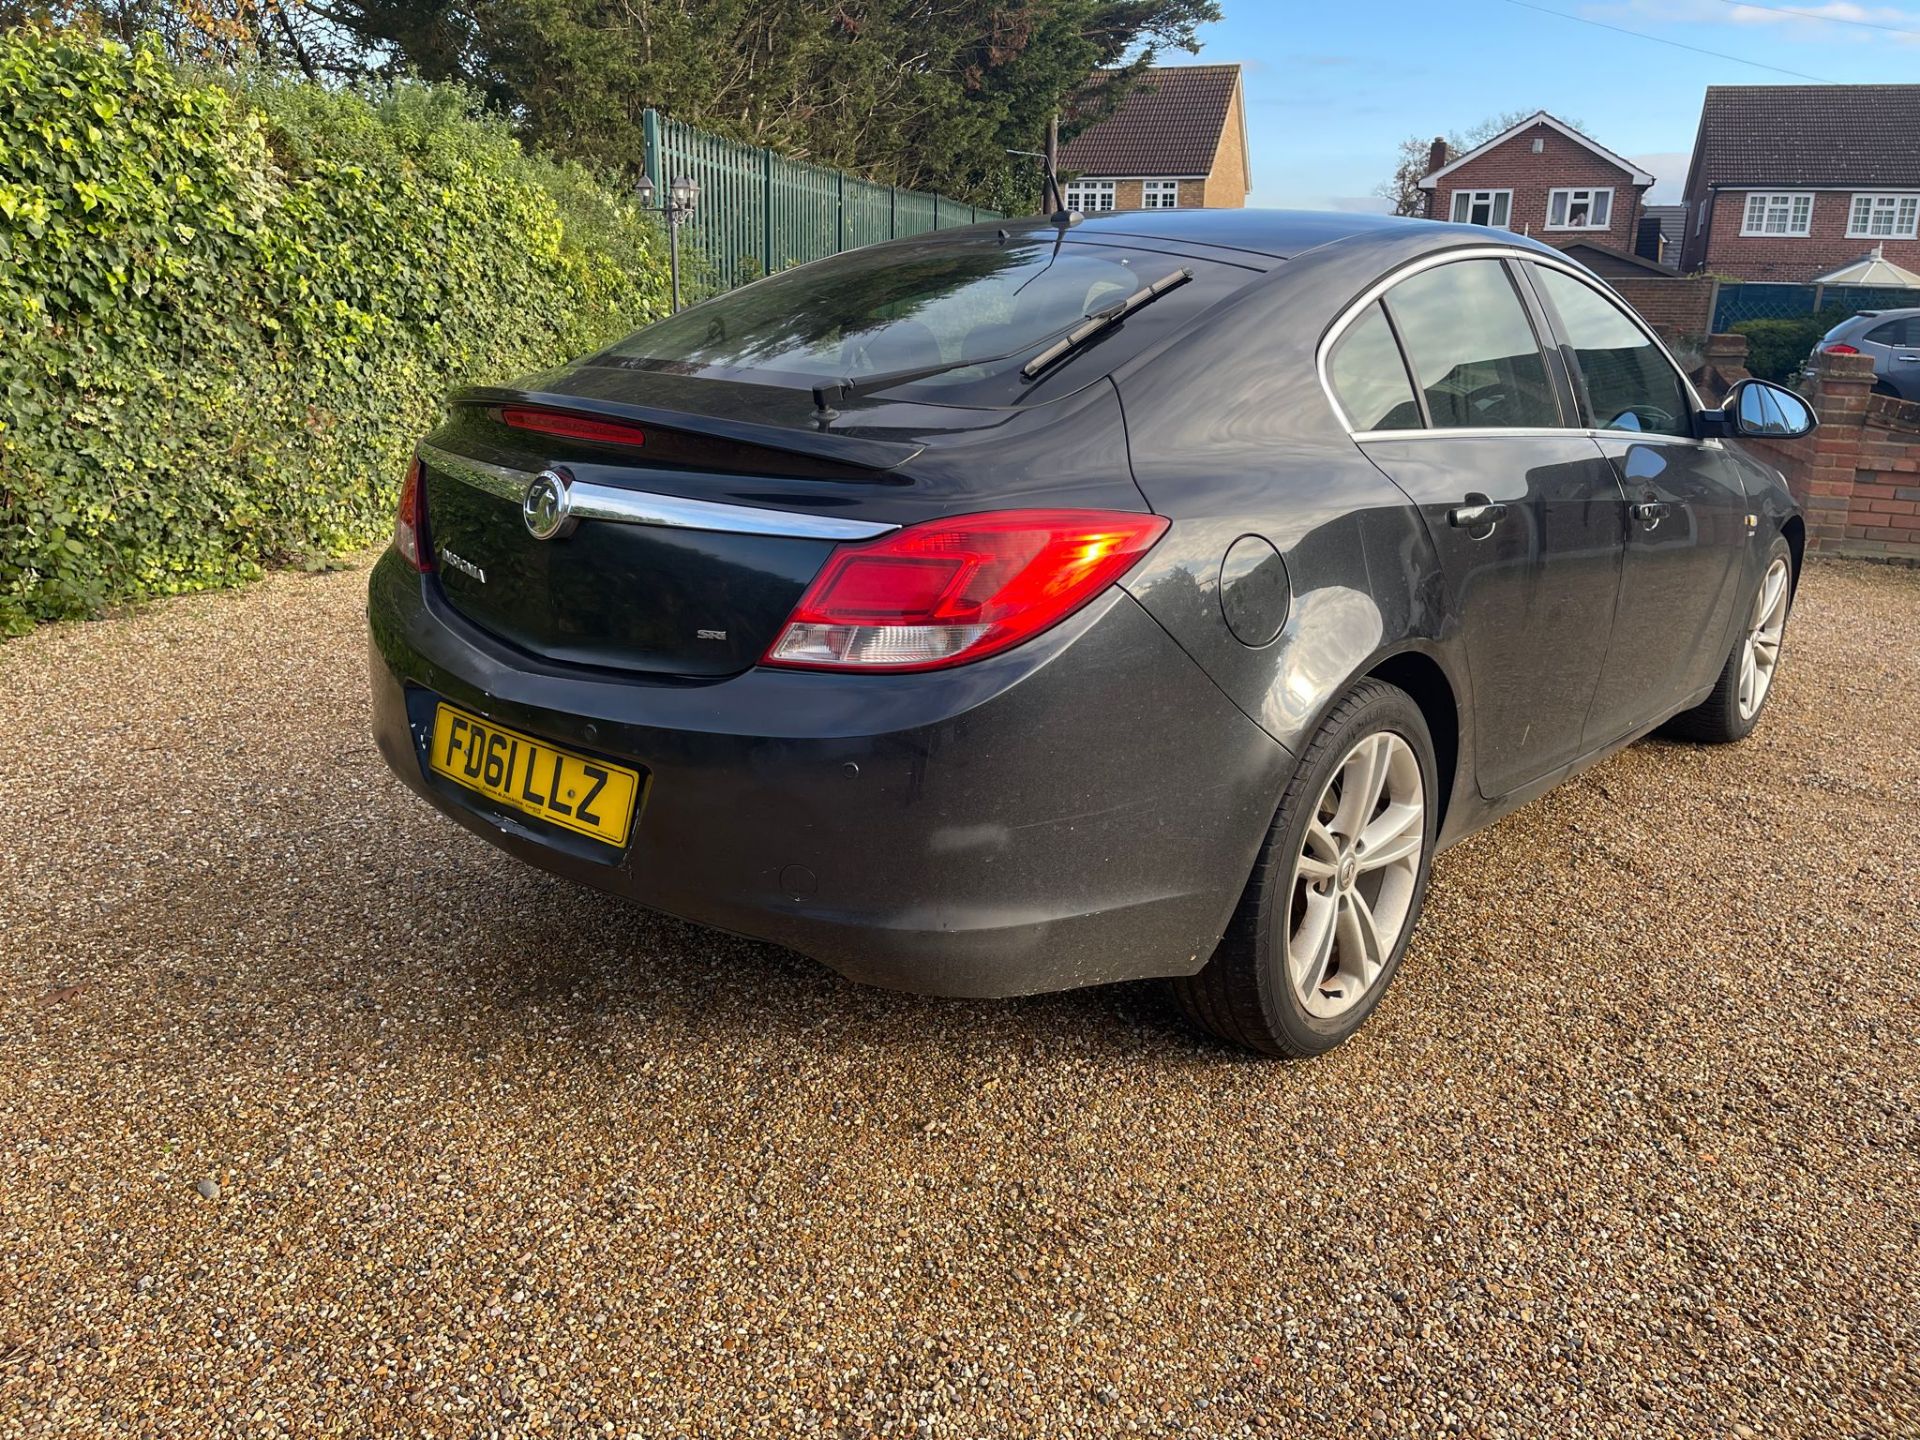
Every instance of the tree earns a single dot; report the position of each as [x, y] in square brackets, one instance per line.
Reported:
[1411, 160]
[923, 93]
[275, 34]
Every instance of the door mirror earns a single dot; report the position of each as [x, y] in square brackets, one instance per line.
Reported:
[1763, 410]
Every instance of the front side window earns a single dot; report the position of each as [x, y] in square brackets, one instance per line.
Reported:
[1088, 196]
[1884, 217]
[1630, 385]
[1369, 378]
[1482, 207]
[1579, 209]
[1472, 347]
[1782, 214]
[1160, 194]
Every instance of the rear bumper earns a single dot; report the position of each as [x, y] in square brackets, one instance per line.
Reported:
[1083, 809]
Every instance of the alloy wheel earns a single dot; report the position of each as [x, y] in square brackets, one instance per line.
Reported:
[1765, 627]
[1356, 876]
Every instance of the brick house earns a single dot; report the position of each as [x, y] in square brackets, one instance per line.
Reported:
[1788, 182]
[1542, 178]
[1178, 140]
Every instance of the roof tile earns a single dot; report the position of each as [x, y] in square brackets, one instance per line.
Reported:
[1810, 135]
[1169, 123]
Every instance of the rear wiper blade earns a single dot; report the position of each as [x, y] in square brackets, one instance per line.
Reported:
[1102, 321]
[825, 395]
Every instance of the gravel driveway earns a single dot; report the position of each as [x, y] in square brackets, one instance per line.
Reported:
[1630, 1150]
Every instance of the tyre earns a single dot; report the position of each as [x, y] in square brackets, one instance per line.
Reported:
[1336, 888]
[1739, 695]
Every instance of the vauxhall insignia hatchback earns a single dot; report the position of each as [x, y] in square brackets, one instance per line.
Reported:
[1029, 606]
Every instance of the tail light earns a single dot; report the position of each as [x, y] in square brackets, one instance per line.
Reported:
[1839, 350]
[948, 591]
[410, 521]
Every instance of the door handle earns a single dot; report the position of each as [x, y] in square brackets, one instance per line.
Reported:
[1482, 515]
[1651, 512]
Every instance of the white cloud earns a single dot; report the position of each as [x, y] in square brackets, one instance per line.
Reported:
[1827, 21]
[1669, 171]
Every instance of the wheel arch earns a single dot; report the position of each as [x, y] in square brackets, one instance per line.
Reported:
[1795, 531]
[1425, 680]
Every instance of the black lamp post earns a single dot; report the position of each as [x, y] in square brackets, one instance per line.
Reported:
[682, 195]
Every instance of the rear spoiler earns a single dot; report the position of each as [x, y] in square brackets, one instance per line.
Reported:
[854, 452]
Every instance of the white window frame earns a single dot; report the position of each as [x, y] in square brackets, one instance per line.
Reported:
[1901, 210]
[1086, 195]
[1491, 198]
[1160, 194]
[1788, 202]
[1591, 194]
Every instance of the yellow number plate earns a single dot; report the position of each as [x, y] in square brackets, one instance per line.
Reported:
[589, 797]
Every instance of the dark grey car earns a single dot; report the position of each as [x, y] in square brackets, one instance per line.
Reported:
[1023, 607]
[1891, 337]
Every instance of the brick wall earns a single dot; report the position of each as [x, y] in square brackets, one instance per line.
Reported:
[1226, 188]
[1679, 310]
[1793, 258]
[1127, 193]
[1560, 163]
[1857, 477]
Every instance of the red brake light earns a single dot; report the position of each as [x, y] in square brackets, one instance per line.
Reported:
[410, 521]
[574, 427]
[948, 591]
[1840, 350]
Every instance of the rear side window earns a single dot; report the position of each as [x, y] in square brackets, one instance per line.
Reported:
[1630, 385]
[1369, 379]
[1472, 347]
[1896, 332]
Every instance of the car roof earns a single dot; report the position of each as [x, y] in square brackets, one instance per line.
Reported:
[1277, 234]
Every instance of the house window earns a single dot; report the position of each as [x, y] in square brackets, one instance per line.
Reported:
[1160, 194]
[1785, 214]
[1579, 209]
[1482, 207]
[1087, 196]
[1884, 217]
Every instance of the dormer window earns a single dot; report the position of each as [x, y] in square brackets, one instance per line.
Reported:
[1579, 209]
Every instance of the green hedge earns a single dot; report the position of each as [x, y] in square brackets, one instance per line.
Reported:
[1776, 349]
[228, 308]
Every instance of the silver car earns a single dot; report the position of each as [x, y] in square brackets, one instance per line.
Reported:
[1892, 338]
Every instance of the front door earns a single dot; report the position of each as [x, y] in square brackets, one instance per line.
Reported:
[1683, 512]
[1521, 509]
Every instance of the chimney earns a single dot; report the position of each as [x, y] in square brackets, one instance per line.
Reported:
[1437, 154]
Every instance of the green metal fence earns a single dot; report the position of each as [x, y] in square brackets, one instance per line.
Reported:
[760, 212]
[1766, 300]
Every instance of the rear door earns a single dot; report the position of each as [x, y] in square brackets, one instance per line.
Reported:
[1682, 515]
[1522, 511]
[1895, 347]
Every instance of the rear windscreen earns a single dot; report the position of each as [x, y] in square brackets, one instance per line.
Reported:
[976, 303]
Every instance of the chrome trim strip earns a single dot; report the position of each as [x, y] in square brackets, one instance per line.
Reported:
[621, 506]
[1494, 432]
[1484, 252]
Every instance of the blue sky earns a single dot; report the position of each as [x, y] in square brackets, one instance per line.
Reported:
[1333, 86]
